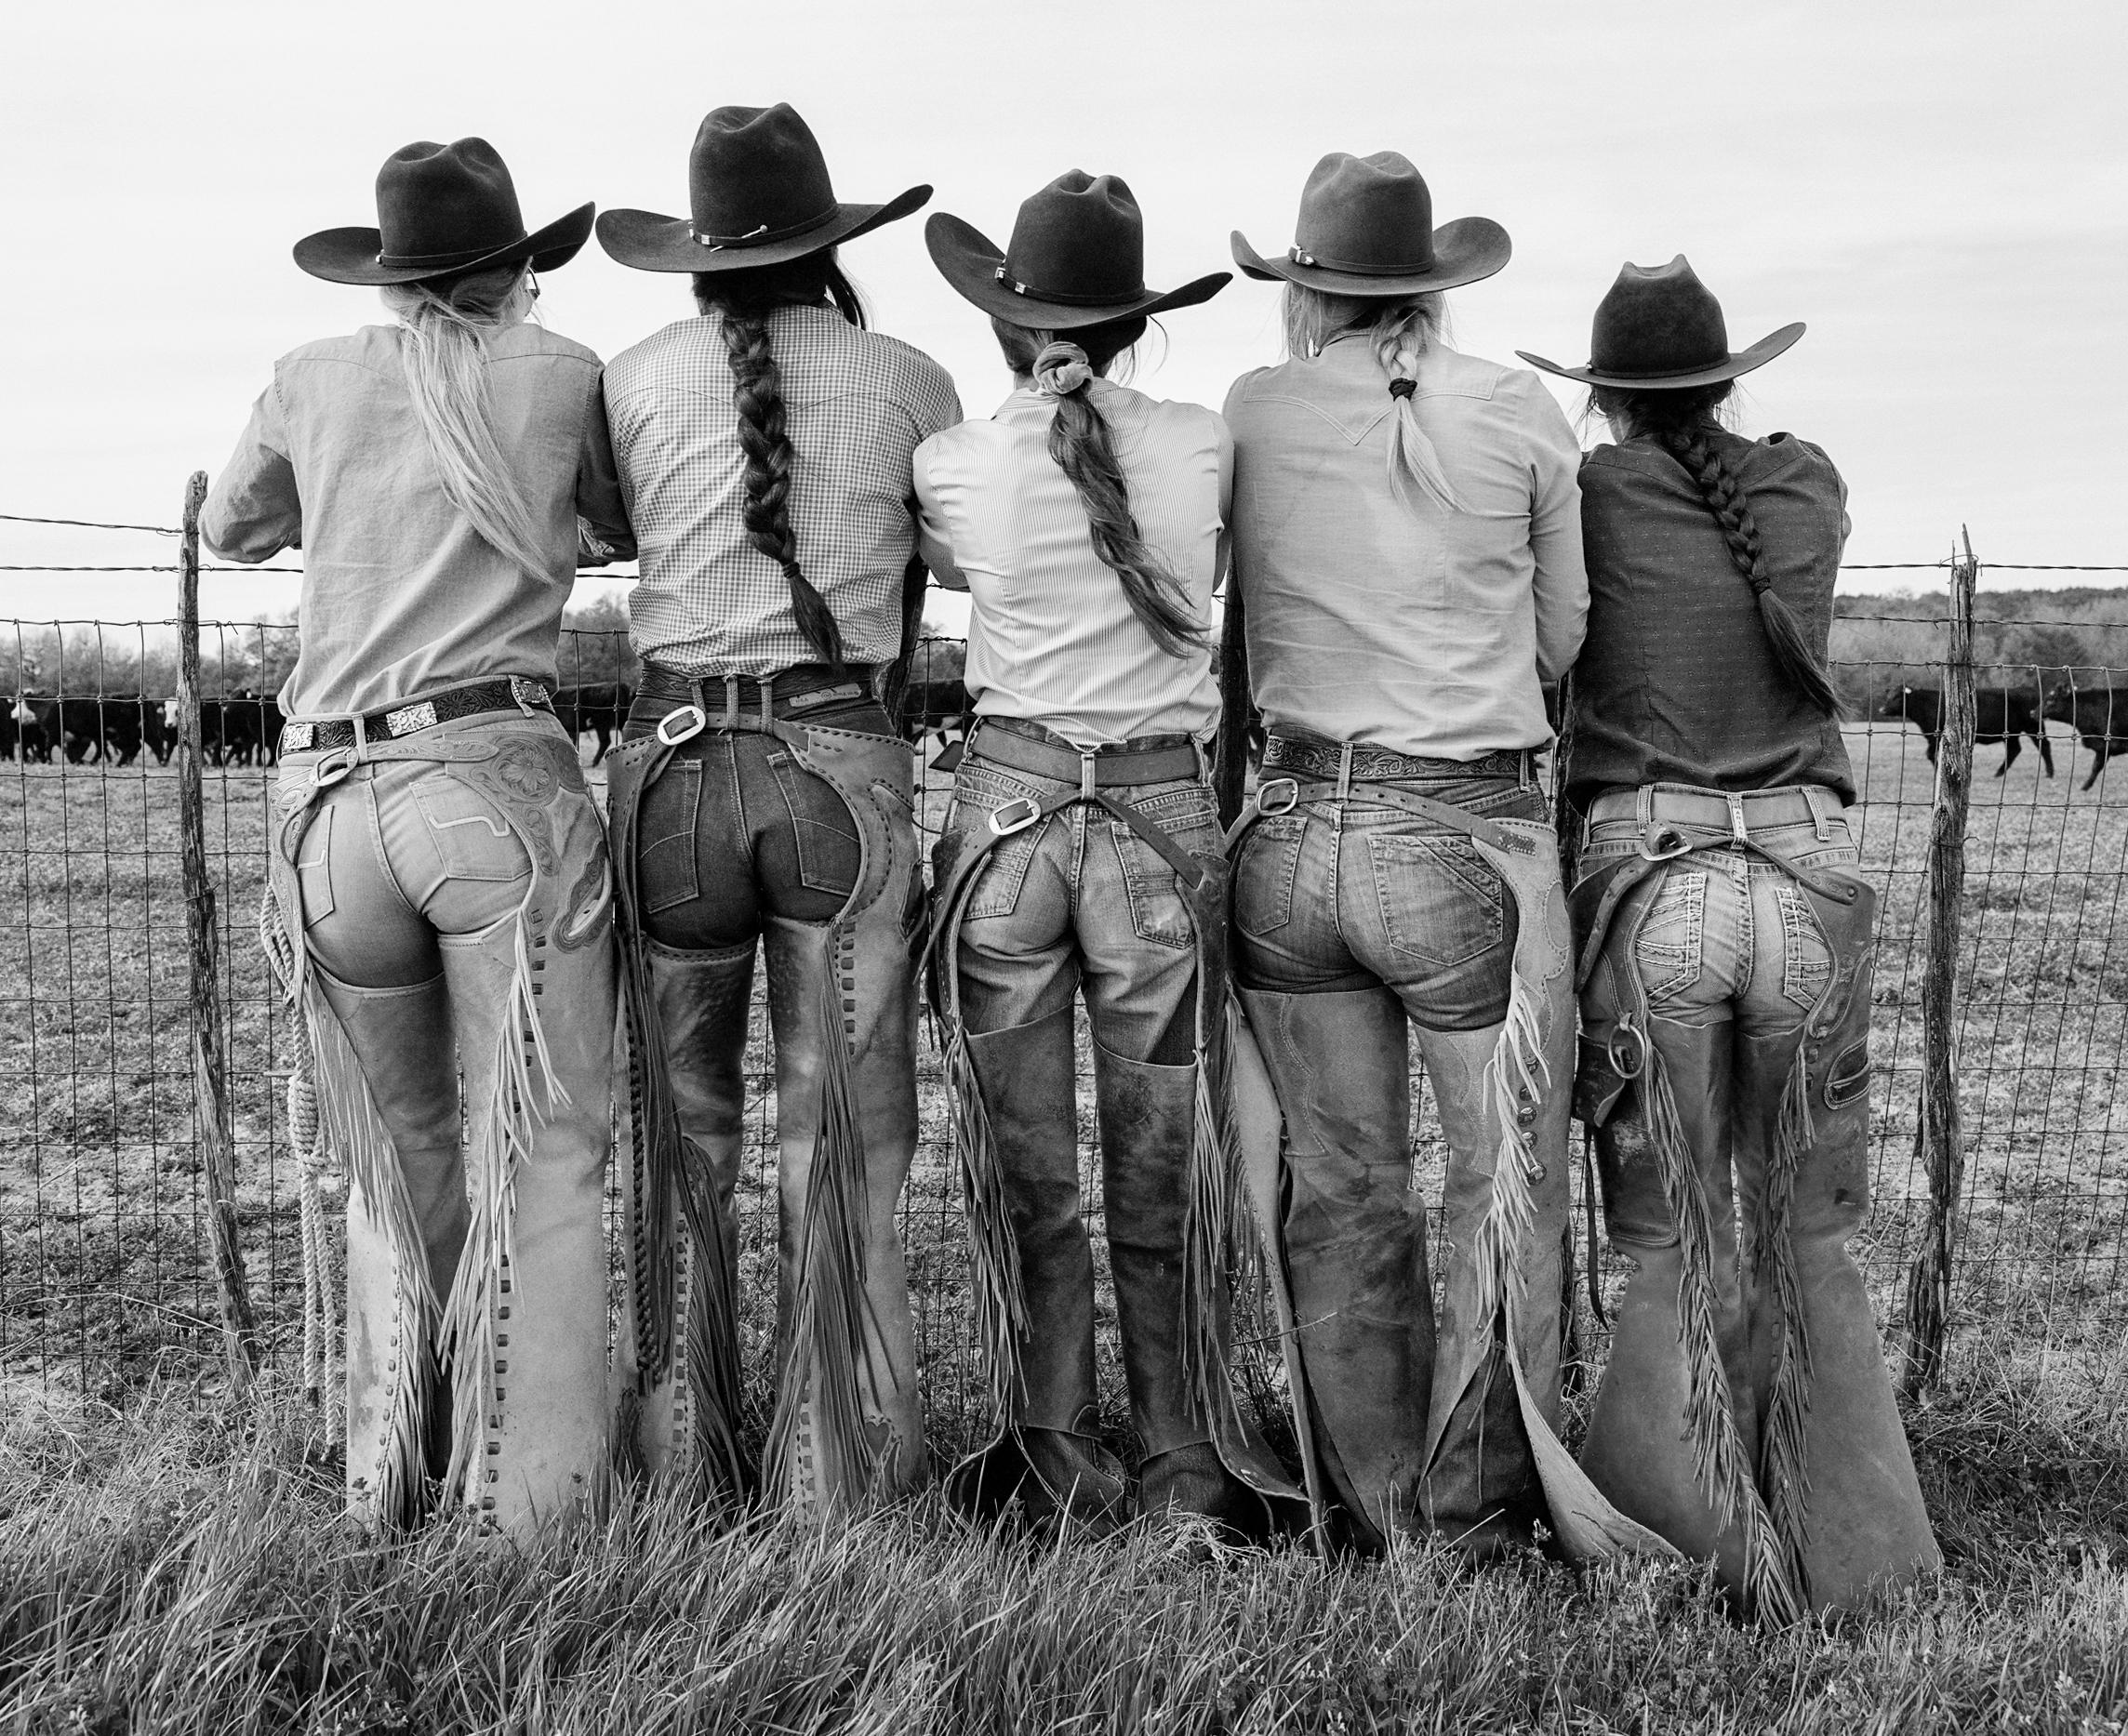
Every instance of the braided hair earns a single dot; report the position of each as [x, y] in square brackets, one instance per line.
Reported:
[1085, 450]
[744, 300]
[1684, 421]
[1398, 329]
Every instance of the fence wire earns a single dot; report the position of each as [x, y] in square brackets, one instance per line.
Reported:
[103, 1282]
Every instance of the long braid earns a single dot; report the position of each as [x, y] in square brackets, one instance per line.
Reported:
[757, 394]
[1689, 446]
[1081, 444]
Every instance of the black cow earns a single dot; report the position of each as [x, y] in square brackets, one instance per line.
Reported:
[78, 729]
[597, 709]
[2099, 715]
[243, 729]
[1998, 715]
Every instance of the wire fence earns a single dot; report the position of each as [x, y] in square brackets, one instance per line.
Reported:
[105, 1276]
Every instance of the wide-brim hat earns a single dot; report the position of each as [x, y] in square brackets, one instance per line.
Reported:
[1076, 259]
[442, 210]
[1658, 328]
[758, 193]
[1366, 228]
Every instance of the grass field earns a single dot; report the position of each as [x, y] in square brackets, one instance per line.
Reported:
[169, 1559]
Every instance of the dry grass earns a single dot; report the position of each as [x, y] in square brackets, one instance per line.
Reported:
[181, 1568]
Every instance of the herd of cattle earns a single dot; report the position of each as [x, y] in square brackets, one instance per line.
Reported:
[244, 728]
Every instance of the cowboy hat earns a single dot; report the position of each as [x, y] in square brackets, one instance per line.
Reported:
[1660, 329]
[1076, 258]
[1366, 228]
[441, 210]
[758, 194]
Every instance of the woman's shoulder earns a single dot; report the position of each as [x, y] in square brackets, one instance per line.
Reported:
[529, 338]
[1783, 451]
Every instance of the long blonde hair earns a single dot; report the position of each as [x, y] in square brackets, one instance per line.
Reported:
[446, 331]
[1398, 329]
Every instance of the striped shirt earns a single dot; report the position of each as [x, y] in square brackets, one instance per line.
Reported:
[856, 405]
[1051, 635]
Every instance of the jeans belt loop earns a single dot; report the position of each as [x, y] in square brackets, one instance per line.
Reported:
[1344, 771]
[1738, 832]
[1086, 778]
[1644, 812]
[1814, 799]
[767, 686]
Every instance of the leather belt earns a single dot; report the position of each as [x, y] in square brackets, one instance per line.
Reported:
[1660, 810]
[324, 733]
[1091, 769]
[1300, 756]
[693, 704]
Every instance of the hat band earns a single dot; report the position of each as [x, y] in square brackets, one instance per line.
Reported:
[1300, 256]
[444, 261]
[1664, 372]
[1106, 299]
[765, 236]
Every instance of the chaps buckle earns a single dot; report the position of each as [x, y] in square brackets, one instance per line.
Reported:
[1287, 788]
[693, 721]
[1014, 817]
[1627, 1028]
[332, 768]
[1663, 843]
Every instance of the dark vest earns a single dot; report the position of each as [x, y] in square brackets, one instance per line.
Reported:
[1677, 683]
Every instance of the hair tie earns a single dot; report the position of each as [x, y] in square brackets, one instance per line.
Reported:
[1060, 370]
[1402, 387]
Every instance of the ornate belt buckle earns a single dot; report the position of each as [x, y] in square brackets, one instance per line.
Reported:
[1288, 797]
[693, 721]
[1014, 817]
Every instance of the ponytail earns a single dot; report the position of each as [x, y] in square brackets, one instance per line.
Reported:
[1398, 328]
[444, 330]
[1681, 422]
[1084, 449]
[745, 299]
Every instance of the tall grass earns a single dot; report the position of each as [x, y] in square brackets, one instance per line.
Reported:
[174, 1570]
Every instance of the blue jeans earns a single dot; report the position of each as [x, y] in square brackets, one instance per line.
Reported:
[1081, 903]
[1337, 896]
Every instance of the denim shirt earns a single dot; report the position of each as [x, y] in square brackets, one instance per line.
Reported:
[1677, 683]
[1415, 629]
[401, 595]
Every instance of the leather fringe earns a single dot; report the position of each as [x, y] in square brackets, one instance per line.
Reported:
[816, 1439]
[1212, 1216]
[1000, 1291]
[1782, 1448]
[1515, 1073]
[1718, 1453]
[484, 1269]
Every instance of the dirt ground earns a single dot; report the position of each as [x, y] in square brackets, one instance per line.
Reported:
[101, 1208]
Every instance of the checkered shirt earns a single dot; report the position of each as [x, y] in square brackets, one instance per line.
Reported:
[857, 405]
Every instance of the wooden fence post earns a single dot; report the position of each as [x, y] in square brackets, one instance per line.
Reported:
[212, 1134]
[1943, 1151]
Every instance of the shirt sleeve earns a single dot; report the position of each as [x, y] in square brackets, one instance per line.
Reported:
[1225, 557]
[1562, 582]
[253, 511]
[934, 534]
[604, 532]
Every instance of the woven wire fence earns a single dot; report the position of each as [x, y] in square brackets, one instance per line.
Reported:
[104, 1280]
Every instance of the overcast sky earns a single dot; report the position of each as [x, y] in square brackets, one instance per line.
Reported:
[1940, 191]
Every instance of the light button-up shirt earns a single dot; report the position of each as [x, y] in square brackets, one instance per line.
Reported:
[1422, 630]
[1051, 635]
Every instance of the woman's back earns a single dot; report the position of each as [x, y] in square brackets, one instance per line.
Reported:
[401, 594]
[1407, 627]
[855, 404]
[1678, 681]
[1052, 637]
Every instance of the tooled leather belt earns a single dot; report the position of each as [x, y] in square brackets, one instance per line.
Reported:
[1300, 757]
[388, 722]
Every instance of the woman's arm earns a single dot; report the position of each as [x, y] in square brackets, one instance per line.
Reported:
[253, 511]
[1223, 560]
[604, 532]
[1561, 580]
[934, 539]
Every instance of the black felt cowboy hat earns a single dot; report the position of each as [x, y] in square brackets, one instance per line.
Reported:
[1076, 258]
[1366, 228]
[442, 209]
[758, 193]
[1660, 329]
